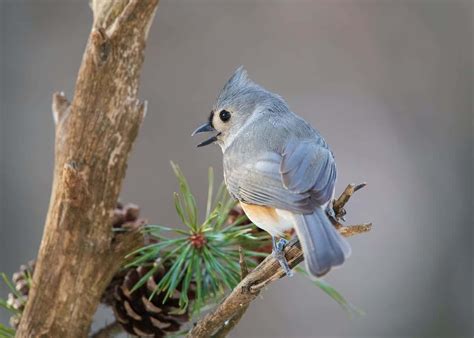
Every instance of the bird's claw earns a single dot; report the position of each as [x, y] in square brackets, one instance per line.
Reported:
[281, 244]
[279, 254]
[332, 214]
[330, 211]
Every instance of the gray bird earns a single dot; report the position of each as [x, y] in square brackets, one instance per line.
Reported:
[279, 168]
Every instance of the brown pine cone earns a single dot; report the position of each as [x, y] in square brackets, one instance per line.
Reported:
[143, 317]
[125, 216]
[21, 281]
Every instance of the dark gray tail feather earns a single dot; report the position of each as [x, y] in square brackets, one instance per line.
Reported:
[323, 246]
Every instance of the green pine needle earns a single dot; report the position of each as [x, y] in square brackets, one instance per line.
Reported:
[351, 309]
[8, 283]
[6, 331]
[210, 179]
[205, 254]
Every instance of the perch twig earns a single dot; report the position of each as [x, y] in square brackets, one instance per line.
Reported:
[267, 272]
[230, 324]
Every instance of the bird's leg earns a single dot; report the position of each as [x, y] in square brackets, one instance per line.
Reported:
[330, 210]
[279, 253]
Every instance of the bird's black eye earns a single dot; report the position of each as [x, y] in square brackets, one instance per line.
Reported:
[224, 115]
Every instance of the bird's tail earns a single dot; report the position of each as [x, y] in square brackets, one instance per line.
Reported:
[323, 246]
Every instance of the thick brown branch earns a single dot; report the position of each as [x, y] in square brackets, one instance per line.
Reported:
[234, 306]
[79, 253]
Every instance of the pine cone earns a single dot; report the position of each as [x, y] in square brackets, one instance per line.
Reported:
[142, 317]
[21, 281]
[124, 217]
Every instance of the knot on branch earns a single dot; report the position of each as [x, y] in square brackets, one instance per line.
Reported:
[75, 183]
[101, 46]
[60, 107]
[105, 12]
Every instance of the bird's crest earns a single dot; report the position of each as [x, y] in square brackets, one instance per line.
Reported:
[235, 85]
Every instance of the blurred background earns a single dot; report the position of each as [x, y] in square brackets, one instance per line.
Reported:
[388, 83]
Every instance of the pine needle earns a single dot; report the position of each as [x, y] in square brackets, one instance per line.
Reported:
[334, 294]
[6, 331]
[204, 253]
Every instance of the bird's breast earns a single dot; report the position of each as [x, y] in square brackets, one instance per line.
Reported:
[272, 220]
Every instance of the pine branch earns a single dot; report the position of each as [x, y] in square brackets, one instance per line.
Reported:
[203, 254]
[263, 275]
[230, 324]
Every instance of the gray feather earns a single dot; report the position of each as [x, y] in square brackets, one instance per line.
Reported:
[259, 182]
[323, 246]
[307, 166]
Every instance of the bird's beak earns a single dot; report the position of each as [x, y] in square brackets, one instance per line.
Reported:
[206, 127]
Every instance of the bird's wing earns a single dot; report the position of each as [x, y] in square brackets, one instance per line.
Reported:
[309, 167]
[298, 180]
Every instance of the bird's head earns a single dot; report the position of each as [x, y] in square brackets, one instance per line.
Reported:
[238, 105]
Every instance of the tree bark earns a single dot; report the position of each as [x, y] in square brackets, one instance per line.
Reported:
[79, 253]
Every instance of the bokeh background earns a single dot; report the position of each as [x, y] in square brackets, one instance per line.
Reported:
[388, 83]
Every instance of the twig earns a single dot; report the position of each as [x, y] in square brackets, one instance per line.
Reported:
[108, 331]
[232, 308]
[352, 230]
[338, 205]
[230, 324]
[244, 270]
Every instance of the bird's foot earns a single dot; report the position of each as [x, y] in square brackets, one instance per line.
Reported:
[279, 254]
[335, 216]
[330, 211]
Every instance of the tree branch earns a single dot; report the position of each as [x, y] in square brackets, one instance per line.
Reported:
[79, 253]
[233, 307]
[230, 324]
